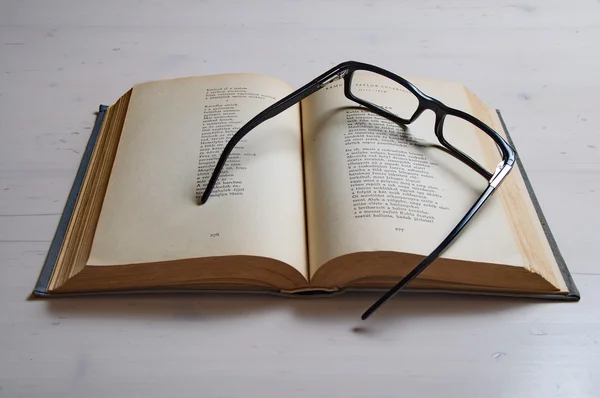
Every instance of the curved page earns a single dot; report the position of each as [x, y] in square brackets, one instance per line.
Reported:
[173, 134]
[373, 185]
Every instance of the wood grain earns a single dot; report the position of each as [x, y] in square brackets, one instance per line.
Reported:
[537, 61]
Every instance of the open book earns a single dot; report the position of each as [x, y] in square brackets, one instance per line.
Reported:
[324, 197]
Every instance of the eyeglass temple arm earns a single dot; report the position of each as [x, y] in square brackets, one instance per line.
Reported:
[272, 111]
[434, 255]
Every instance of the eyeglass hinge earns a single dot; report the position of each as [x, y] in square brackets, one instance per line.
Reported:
[501, 171]
[333, 78]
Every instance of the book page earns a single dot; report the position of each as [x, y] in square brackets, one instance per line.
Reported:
[374, 185]
[173, 135]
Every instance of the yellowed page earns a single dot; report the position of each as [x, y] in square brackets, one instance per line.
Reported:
[346, 217]
[173, 132]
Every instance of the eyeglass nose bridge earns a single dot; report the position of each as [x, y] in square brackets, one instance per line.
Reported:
[428, 103]
[422, 107]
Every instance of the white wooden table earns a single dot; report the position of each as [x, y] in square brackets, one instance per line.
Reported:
[539, 62]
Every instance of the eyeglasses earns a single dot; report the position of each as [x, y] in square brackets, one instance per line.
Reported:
[413, 104]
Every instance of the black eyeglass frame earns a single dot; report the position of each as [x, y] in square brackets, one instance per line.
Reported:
[346, 71]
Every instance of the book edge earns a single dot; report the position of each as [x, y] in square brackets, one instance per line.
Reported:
[573, 291]
[311, 294]
[41, 287]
